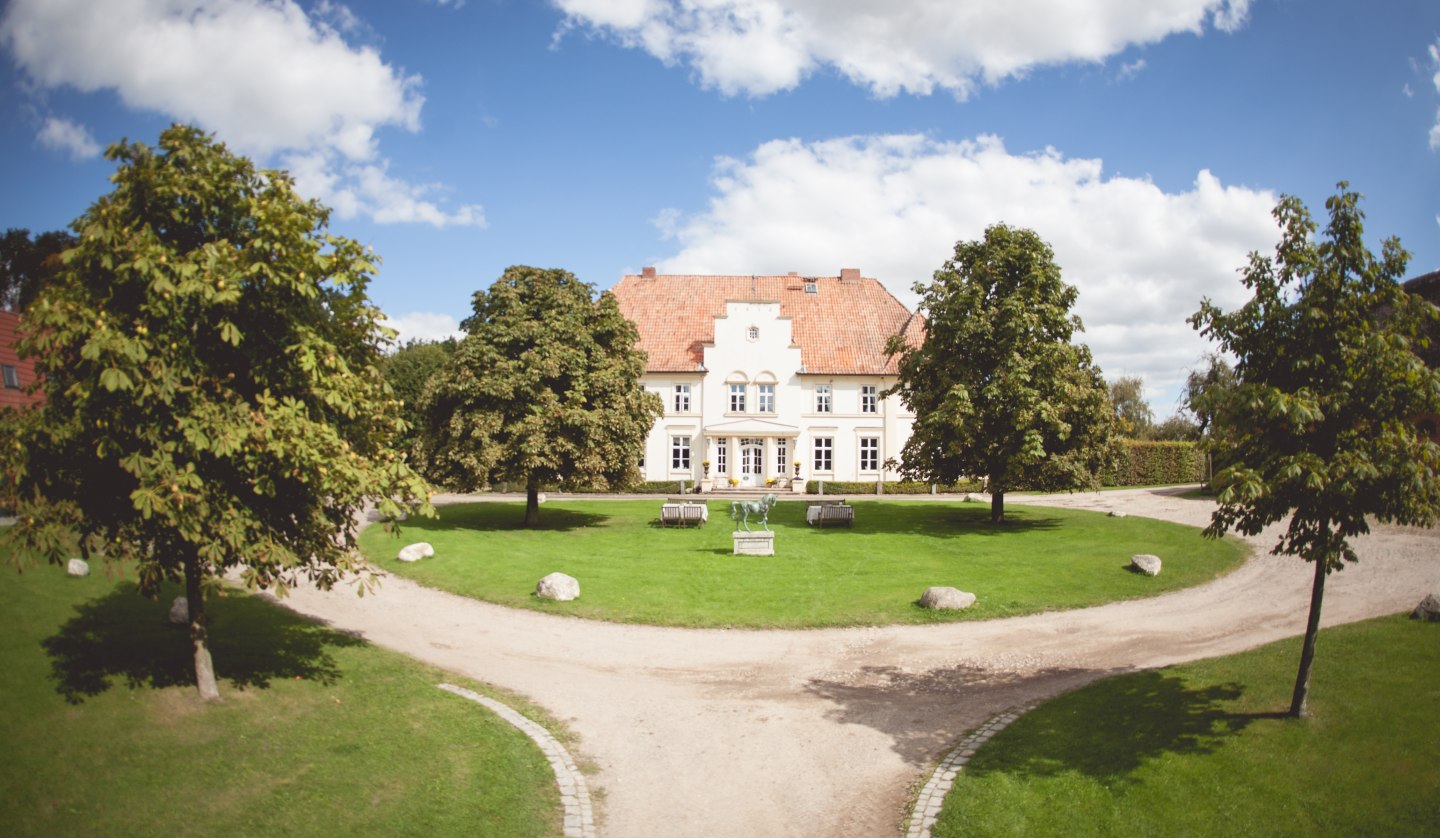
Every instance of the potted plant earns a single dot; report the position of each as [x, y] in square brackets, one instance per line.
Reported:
[705, 465]
[734, 481]
[797, 468]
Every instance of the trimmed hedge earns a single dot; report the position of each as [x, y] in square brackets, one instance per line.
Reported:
[892, 487]
[1148, 463]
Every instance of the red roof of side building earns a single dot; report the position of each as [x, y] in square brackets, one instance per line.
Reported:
[24, 369]
[841, 328]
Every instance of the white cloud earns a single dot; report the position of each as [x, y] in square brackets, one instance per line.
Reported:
[895, 205]
[367, 189]
[1132, 69]
[1435, 64]
[423, 325]
[64, 135]
[757, 47]
[262, 74]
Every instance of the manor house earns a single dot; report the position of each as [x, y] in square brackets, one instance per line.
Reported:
[766, 378]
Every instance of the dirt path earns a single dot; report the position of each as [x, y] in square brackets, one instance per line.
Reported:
[820, 733]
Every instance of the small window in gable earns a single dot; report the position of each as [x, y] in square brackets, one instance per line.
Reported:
[752, 333]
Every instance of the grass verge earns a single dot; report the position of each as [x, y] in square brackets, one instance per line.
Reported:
[1201, 749]
[631, 569]
[318, 733]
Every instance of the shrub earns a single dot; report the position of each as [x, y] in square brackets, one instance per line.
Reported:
[1143, 462]
[892, 487]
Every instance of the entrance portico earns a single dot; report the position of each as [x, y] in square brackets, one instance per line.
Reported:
[751, 450]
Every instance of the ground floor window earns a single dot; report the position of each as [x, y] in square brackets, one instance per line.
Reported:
[869, 453]
[722, 449]
[782, 465]
[824, 454]
[680, 452]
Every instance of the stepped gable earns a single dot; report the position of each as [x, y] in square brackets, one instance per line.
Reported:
[841, 328]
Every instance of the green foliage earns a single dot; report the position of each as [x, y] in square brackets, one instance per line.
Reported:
[1320, 423]
[1133, 416]
[1206, 389]
[633, 569]
[1197, 749]
[544, 390]
[998, 389]
[407, 370]
[210, 366]
[1177, 428]
[895, 487]
[26, 264]
[1321, 428]
[1151, 463]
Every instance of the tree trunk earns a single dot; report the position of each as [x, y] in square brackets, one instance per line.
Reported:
[195, 603]
[532, 504]
[997, 506]
[1312, 628]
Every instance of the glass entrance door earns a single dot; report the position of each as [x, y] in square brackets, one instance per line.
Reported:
[752, 461]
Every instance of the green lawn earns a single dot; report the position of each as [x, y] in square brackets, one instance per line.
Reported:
[318, 733]
[631, 569]
[1200, 749]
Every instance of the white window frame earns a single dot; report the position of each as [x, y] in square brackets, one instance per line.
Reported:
[722, 459]
[824, 398]
[682, 398]
[782, 447]
[679, 453]
[869, 399]
[765, 398]
[823, 455]
[870, 451]
[737, 397]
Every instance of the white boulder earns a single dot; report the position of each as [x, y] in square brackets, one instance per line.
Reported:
[946, 599]
[416, 552]
[1146, 564]
[559, 587]
[77, 567]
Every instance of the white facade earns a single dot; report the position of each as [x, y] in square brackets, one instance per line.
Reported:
[752, 412]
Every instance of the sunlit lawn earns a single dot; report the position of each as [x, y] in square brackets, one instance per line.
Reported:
[1201, 750]
[631, 569]
[318, 733]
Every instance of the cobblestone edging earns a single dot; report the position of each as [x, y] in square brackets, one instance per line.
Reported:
[927, 805]
[574, 793]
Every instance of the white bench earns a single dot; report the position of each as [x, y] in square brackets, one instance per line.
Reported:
[684, 513]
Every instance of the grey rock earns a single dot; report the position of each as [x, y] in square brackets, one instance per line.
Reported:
[946, 599]
[1428, 610]
[77, 567]
[180, 611]
[1146, 564]
[1115, 513]
[559, 587]
[416, 552]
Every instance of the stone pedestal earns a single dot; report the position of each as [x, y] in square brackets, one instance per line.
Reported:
[757, 543]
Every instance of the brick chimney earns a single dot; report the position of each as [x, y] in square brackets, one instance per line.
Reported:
[647, 273]
[849, 274]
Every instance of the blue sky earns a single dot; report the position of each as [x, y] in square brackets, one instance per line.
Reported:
[1146, 140]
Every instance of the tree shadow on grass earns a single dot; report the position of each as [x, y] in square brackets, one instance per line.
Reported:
[496, 517]
[124, 637]
[1109, 729]
[935, 519]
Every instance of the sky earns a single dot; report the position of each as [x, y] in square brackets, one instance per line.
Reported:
[1146, 141]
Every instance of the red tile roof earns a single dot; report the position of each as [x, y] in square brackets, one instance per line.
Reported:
[841, 329]
[25, 369]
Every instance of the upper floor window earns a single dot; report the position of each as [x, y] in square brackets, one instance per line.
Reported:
[765, 396]
[752, 333]
[869, 399]
[682, 398]
[737, 398]
[822, 398]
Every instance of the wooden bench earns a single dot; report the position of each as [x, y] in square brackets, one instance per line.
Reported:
[684, 513]
[830, 515]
